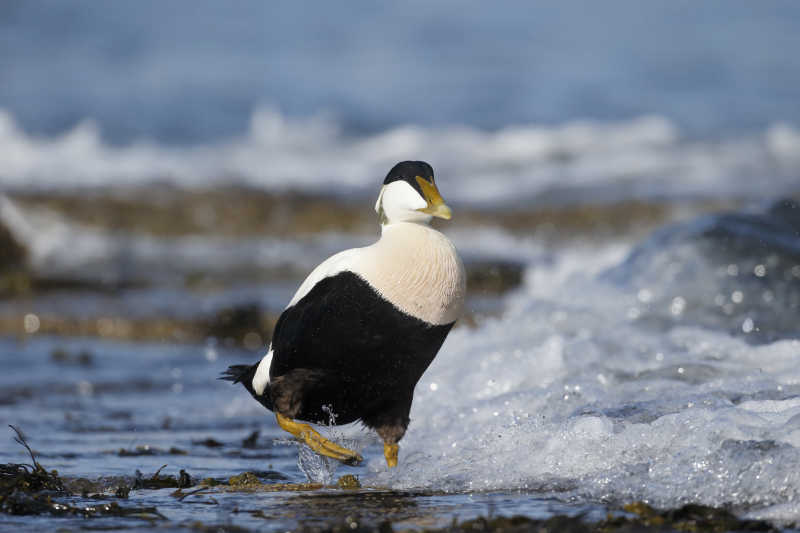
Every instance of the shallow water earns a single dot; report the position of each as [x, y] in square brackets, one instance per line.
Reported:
[662, 370]
[162, 405]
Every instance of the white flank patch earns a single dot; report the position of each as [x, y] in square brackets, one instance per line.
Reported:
[261, 379]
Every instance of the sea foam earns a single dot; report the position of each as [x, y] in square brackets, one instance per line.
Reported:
[568, 395]
[641, 157]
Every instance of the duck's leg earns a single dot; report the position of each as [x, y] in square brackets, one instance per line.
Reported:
[390, 452]
[317, 442]
[391, 425]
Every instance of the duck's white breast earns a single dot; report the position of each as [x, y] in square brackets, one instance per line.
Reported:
[413, 266]
[417, 269]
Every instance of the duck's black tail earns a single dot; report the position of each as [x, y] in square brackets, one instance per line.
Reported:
[238, 373]
[244, 374]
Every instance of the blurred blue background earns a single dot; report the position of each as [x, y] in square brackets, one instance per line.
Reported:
[183, 72]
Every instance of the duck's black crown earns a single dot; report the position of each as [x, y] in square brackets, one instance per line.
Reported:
[408, 171]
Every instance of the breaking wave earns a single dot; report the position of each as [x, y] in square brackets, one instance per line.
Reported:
[644, 157]
[580, 393]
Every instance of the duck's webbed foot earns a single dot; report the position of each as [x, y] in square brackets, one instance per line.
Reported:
[317, 442]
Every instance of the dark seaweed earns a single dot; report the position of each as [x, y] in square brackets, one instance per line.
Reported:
[157, 481]
[29, 489]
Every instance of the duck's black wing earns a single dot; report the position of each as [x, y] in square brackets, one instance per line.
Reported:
[345, 347]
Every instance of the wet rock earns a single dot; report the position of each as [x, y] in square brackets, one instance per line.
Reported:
[247, 479]
[15, 274]
[251, 482]
[208, 443]
[192, 330]
[30, 490]
[167, 211]
[16, 478]
[689, 518]
[149, 450]
[13, 254]
[494, 276]
[251, 441]
[83, 486]
[269, 475]
[33, 504]
[738, 272]
[348, 482]
[243, 325]
[157, 481]
[787, 210]
[184, 480]
[24, 478]
[81, 358]
[201, 527]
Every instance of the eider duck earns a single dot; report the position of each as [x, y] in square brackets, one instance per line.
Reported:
[366, 323]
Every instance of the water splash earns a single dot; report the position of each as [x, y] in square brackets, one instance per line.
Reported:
[318, 468]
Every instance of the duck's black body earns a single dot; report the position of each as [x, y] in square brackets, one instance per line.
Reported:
[344, 350]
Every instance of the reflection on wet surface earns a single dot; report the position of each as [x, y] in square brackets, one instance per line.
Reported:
[117, 419]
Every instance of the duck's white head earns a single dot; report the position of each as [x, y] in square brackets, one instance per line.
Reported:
[409, 194]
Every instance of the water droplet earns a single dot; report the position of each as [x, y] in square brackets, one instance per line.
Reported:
[252, 340]
[737, 297]
[105, 327]
[211, 354]
[733, 270]
[747, 325]
[31, 323]
[434, 386]
[677, 306]
[644, 295]
[760, 271]
[85, 388]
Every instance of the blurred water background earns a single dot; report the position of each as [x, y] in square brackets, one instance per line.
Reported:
[624, 177]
